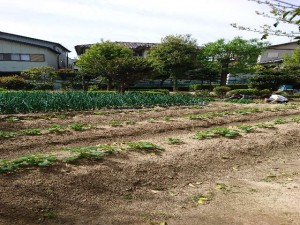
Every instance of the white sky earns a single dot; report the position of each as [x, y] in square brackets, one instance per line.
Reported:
[75, 22]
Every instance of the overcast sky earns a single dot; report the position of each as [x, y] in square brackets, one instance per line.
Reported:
[75, 22]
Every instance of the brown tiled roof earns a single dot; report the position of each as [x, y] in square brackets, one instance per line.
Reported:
[132, 45]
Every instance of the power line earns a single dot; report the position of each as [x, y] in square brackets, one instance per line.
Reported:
[286, 3]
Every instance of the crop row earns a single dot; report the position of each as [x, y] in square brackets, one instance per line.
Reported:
[56, 128]
[99, 151]
[30, 102]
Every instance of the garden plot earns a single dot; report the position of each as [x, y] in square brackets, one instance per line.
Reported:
[218, 164]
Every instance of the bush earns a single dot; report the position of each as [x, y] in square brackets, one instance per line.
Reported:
[164, 91]
[202, 93]
[13, 83]
[250, 92]
[39, 87]
[221, 90]
[195, 87]
[237, 86]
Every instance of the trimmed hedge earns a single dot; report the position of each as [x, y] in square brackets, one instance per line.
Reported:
[13, 83]
[221, 90]
[195, 87]
[251, 92]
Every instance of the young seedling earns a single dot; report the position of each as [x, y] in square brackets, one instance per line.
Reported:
[80, 127]
[7, 134]
[280, 121]
[174, 141]
[207, 134]
[246, 128]
[296, 119]
[116, 123]
[130, 122]
[56, 128]
[30, 132]
[225, 132]
[202, 199]
[265, 125]
[143, 145]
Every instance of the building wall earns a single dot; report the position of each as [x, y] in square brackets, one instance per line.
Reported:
[18, 48]
[277, 52]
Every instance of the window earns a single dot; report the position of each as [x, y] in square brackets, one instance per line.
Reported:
[15, 57]
[37, 58]
[272, 54]
[22, 57]
[25, 57]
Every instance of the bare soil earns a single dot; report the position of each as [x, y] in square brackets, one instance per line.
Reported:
[251, 179]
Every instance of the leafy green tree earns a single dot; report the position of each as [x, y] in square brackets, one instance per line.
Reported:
[115, 63]
[44, 74]
[174, 56]
[130, 70]
[271, 77]
[235, 56]
[207, 71]
[101, 60]
[285, 12]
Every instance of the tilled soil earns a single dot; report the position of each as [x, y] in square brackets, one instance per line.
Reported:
[251, 179]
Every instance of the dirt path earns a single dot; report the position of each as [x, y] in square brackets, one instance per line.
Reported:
[252, 179]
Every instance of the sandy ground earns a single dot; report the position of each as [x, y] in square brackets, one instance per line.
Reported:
[251, 179]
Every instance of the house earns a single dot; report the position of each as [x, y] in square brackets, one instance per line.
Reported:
[274, 54]
[140, 49]
[18, 53]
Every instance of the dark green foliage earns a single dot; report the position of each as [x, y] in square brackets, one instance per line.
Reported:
[7, 166]
[13, 83]
[250, 92]
[271, 77]
[221, 90]
[243, 101]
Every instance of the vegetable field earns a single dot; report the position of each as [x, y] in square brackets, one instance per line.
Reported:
[67, 159]
[28, 102]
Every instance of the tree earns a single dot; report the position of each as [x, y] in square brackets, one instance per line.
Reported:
[174, 56]
[130, 70]
[43, 74]
[271, 77]
[114, 63]
[235, 56]
[102, 59]
[282, 12]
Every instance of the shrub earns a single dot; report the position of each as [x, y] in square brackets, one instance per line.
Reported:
[13, 83]
[195, 87]
[221, 90]
[163, 91]
[40, 86]
[250, 92]
[237, 86]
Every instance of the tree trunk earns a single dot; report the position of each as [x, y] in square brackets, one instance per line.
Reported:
[161, 83]
[175, 85]
[109, 84]
[223, 77]
[122, 88]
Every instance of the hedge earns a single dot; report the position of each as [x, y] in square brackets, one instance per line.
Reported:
[251, 92]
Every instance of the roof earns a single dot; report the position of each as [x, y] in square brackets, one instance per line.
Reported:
[31, 41]
[277, 60]
[132, 45]
[287, 43]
